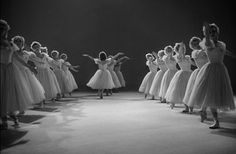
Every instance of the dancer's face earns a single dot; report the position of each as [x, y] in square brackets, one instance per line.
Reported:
[19, 43]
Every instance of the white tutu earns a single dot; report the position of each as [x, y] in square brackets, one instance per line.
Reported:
[22, 87]
[47, 78]
[156, 84]
[167, 77]
[102, 79]
[190, 84]
[71, 83]
[121, 78]
[212, 87]
[176, 90]
[115, 79]
[147, 82]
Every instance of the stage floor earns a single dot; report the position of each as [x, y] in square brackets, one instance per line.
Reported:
[124, 123]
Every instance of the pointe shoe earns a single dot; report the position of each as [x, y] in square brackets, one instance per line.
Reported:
[203, 115]
[172, 105]
[216, 125]
[185, 111]
[145, 96]
[190, 110]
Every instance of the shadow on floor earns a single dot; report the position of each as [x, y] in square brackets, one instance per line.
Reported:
[223, 131]
[11, 137]
[45, 109]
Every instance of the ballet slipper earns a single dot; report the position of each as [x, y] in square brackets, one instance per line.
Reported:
[215, 125]
[203, 115]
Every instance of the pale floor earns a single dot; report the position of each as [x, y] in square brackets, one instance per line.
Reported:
[124, 123]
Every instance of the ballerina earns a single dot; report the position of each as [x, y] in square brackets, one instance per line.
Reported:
[102, 79]
[212, 87]
[176, 90]
[147, 80]
[169, 74]
[156, 84]
[200, 59]
[66, 67]
[56, 64]
[117, 69]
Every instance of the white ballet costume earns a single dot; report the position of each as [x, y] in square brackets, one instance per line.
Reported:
[148, 79]
[72, 85]
[169, 74]
[200, 59]
[36, 89]
[46, 76]
[212, 87]
[176, 90]
[102, 78]
[113, 74]
[119, 74]
[60, 74]
[156, 84]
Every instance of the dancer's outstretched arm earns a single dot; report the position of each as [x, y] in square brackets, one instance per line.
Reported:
[87, 55]
[122, 59]
[117, 55]
[71, 67]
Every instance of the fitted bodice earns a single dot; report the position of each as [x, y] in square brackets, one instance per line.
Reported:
[200, 57]
[7, 51]
[215, 52]
[102, 65]
[170, 62]
[152, 66]
[184, 62]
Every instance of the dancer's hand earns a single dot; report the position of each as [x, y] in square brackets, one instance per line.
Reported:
[85, 55]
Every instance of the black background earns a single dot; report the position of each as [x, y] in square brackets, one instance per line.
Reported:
[131, 26]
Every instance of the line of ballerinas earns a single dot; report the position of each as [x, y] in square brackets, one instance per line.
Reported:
[29, 76]
[208, 86]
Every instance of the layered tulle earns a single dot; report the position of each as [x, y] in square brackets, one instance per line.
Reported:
[147, 82]
[72, 85]
[9, 101]
[176, 90]
[49, 82]
[167, 77]
[62, 80]
[190, 84]
[121, 78]
[115, 79]
[21, 87]
[102, 79]
[156, 84]
[212, 88]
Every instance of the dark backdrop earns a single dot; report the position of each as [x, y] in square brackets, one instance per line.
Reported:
[132, 26]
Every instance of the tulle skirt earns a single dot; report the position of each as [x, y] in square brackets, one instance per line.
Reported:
[115, 79]
[176, 90]
[72, 85]
[190, 84]
[156, 84]
[62, 81]
[212, 88]
[147, 82]
[8, 90]
[121, 78]
[22, 89]
[36, 89]
[102, 79]
[167, 77]
[49, 82]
